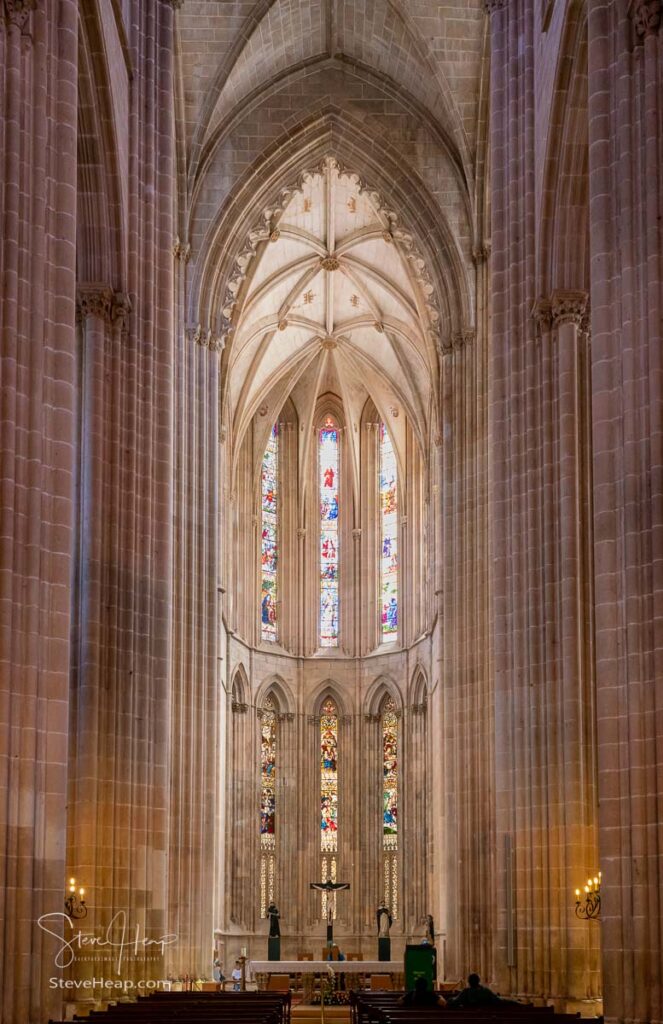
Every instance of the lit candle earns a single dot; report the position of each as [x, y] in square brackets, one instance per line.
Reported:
[81, 893]
[577, 894]
[72, 881]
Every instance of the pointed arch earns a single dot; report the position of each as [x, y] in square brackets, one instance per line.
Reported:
[419, 686]
[328, 688]
[283, 696]
[382, 687]
[563, 255]
[100, 242]
[239, 688]
[276, 174]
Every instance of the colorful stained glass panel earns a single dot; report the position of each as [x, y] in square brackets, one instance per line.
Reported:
[269, 537]
[268, 775]
[388, 537]
[329, 535]
[329, 778]
[390, 776]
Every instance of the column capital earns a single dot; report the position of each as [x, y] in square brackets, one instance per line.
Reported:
[181, 250]
[491, 6]
[205, 338]
[568, 307]
[481, 253]
[120, 309]
[175, 4]
[458, 341]
[542, 314]
[95, 300]
[646, 16]
[17, 11]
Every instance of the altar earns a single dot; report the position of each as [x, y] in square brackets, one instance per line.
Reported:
[348, 974]
[322, 966]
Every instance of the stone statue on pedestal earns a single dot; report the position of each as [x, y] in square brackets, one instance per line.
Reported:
[385, 921]
[274, 940]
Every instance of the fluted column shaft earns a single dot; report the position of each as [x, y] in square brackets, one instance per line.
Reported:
[626, 201]
[38, 62]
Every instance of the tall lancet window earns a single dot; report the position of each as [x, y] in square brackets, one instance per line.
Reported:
[269, 536]
[328, 795]
[388, 538]
[389, 722]
[268, 741]
[328, 461]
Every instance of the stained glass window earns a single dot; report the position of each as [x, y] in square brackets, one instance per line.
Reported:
[328, 798]
[390, 775]
[329, 539]
[269, 543]
[329, 778]
[390, 804]
[268, 774]
[388, 538]
[268, 738]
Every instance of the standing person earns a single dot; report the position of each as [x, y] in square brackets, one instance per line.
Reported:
[237, 977]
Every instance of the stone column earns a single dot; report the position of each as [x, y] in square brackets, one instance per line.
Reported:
[198, 710]
[38, 68]
[626, 200]
[370, 837]
[570, 724]
[462, 714]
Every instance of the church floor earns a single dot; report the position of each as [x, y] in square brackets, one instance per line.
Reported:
[305, 1014]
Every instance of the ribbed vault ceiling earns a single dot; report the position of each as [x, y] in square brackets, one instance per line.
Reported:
[333, 304]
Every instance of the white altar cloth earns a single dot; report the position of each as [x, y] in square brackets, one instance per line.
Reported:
[321, 966]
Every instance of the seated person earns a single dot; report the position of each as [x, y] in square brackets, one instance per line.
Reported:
[476, 994]
[421, 995]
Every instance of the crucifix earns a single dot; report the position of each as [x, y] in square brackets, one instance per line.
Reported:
[331, 889]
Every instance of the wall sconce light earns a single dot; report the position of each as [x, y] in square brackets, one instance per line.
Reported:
[74, 904]
[588, 903]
